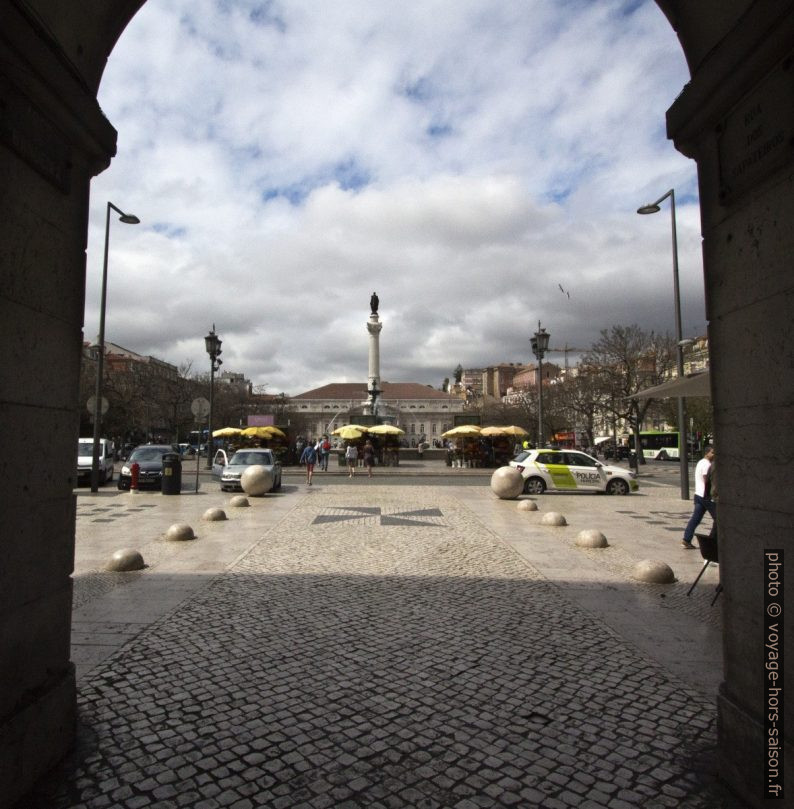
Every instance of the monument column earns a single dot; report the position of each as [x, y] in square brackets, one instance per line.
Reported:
[373, 377]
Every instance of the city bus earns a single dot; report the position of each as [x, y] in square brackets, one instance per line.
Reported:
[658, 445]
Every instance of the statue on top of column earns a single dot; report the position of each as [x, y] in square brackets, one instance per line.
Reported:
[373, 303]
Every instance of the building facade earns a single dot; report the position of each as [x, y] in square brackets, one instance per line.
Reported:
[421, 411]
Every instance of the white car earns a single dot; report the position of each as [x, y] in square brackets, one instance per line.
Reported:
[230, 470]
[566, 470]
[85, 459]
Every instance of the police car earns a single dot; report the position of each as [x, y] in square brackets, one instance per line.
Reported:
[568, 470]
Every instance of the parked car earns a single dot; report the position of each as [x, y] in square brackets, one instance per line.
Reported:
[569, 470]
[149, 458]
[230, 470]
[85, 460]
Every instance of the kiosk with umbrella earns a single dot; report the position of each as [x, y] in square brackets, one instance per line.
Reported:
[463, 431]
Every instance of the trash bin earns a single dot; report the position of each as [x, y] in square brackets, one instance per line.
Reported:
[172, 473]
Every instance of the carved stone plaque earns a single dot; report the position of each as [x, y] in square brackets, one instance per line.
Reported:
[757, 135]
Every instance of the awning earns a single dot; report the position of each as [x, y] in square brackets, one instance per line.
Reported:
[695, 385]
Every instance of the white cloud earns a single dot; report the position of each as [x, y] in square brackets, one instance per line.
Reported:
[463, 159]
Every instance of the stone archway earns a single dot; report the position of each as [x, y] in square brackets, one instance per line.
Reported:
[733, 118]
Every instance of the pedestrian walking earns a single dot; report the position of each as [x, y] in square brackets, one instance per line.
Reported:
[704, 501]
[309, 457]
[369, 457]
[299, 445]
[351, 456]
[324, 445]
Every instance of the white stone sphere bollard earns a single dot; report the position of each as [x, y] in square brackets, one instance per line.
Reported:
[527, 505]
[507, 483]
[256, 480]
[590, 538]
[214, 515]
[239, 501]
[553, 518]
[654, 572]
[179, 532]
[125, 559]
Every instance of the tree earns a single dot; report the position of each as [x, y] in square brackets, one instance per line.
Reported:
[583, 397]
[700, 412]
[628, 359]
[176, 394]
[458, 374]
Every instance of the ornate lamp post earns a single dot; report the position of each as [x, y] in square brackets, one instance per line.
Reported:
[540, 344]
[653, 207]
[213, 345]
[127, 219]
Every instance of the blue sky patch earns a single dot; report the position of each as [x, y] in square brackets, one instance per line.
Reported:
[351, 176]
[439, 130]
[263, 15]
[168, 230]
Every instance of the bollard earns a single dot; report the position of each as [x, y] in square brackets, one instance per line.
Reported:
[135, 470]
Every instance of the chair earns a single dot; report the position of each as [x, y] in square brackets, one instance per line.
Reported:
[708, 550]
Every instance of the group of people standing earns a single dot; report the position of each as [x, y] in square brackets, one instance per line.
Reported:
[367, 456]
[314, 453]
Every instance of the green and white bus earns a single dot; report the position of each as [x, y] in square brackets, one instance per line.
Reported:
[658, 445]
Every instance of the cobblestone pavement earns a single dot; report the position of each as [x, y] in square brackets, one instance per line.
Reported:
[384, 647]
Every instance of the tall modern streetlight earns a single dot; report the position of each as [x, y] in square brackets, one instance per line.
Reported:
[540, 344]
[213, 345]
[127, 219]
[682, 434]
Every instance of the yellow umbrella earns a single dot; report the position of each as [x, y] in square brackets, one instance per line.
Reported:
[493, 431]
[348, 433]
[275, 431]
[358, 427]
[462, 430]
[514, 430]
[385, 429]
[225, 432]
[257, 432]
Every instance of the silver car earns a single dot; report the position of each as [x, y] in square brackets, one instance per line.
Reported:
[230, 470]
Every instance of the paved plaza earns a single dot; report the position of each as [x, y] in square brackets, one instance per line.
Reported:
[372, 645]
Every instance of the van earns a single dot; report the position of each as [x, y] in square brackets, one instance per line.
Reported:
[85, 458]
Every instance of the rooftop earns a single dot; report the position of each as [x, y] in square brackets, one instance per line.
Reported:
[389, 391]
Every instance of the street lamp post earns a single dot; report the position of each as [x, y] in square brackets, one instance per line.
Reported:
[127, 219]
[653, 207]
[540, 343]
[213, 345]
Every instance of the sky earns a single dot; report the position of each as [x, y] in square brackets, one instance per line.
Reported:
[477, 163]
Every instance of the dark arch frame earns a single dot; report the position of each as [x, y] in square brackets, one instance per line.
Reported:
[54, 139]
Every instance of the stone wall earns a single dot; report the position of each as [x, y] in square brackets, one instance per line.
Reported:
[52, 139]
[734, 120]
